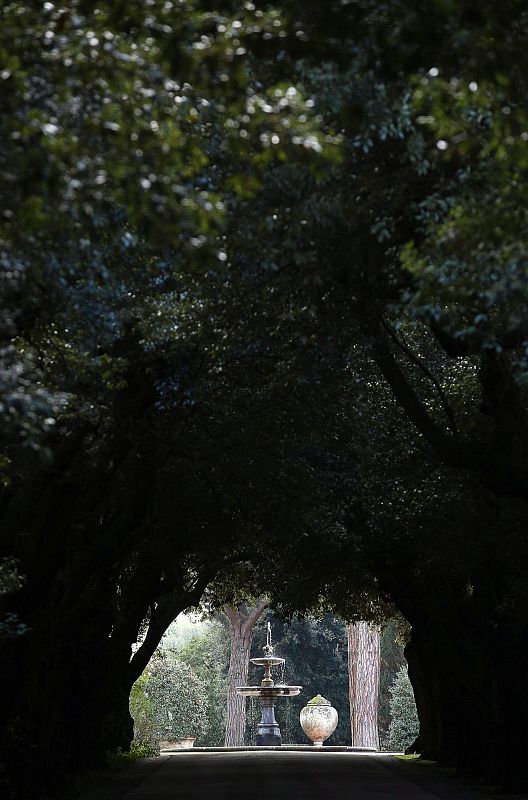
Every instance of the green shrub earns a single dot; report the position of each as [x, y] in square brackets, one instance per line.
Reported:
[141, 712]
[404, 725]
[177, 698]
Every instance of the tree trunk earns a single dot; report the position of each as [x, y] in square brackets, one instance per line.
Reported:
[71, 675]
[467, 657]
[363, 683]
[424, 679]
[242, 620]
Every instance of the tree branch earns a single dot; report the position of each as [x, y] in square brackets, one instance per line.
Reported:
[262, 604]
[426, 371]
[166, 607]
[446, 447]
[472, 345]
[162, 612]
[453, 347]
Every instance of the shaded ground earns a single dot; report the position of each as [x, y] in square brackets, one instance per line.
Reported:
[282, 775]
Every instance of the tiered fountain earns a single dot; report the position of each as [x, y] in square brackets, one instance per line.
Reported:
[268, 731]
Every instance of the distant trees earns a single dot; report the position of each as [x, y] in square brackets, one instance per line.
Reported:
[315, 649]
[316, 652]
[207, 653]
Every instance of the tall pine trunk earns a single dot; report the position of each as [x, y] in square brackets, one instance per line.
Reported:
[242, 620]
[363, 683]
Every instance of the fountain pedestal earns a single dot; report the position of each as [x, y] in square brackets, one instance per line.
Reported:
[268, 731]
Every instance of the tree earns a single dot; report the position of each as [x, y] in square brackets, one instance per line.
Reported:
[364, 678]
[10, 581]
[242, 620]
[404, 723]
[376, 275]
[91, 381]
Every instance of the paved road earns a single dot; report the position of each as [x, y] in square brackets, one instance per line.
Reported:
[275, 776]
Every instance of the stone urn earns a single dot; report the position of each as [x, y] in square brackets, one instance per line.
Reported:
[318, 720]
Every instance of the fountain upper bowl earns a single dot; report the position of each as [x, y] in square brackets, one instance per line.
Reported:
[264, 661]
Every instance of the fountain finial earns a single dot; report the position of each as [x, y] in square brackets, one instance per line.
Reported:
[268, 647]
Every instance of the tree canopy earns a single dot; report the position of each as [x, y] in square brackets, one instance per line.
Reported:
[264, 330]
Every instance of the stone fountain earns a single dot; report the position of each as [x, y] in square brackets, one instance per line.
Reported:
[268, 731]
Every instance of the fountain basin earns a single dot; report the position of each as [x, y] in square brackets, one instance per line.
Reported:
[268, 691]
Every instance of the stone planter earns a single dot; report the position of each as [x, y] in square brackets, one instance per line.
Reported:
[318, 721]
[177, 744]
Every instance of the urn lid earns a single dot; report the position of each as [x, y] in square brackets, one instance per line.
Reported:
[319, 700]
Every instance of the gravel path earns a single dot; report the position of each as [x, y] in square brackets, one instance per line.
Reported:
[275, 775]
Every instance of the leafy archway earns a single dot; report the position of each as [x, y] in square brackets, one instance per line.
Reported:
[270, 312]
